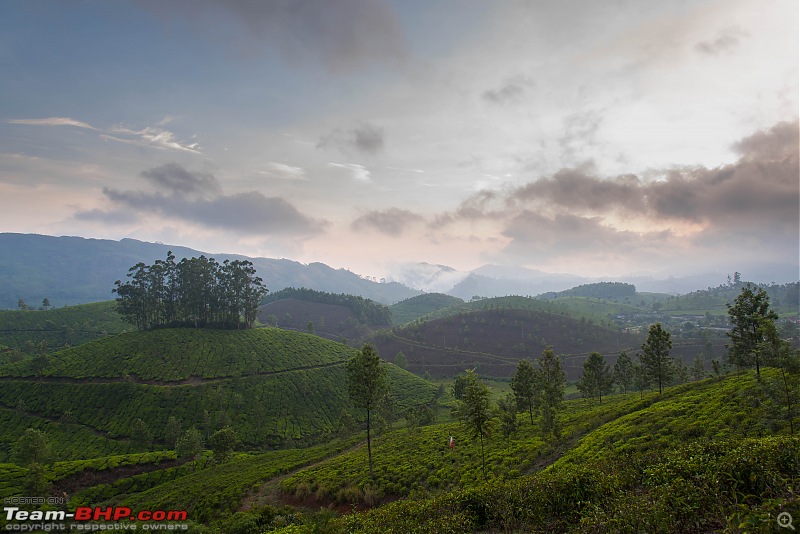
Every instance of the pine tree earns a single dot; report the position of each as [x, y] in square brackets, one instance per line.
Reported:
[747, 315]
[597, 377]
[657, 365]
[551, 383]
[624, 372]
[475, 412]
[523, 384]
[367, 384]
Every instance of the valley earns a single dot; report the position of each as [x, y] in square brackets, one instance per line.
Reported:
[137, 418]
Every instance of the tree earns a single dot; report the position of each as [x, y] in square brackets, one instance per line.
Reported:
[190, 445]
[779, 353]
[523, 384]
[140, 433]
[21, 305]
[223, 442]
[551, 382]
[366, 384]
[459, 386]
[33, 447]
[36, 483]
[656, 362]
[475, 413]
[597, 377]
[747, 315]
[400, 360]
[173, 430]
[507, 408]
[46, 303]
[624, 370]
[698, 369]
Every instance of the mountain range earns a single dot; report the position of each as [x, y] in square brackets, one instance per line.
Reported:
[73, 270]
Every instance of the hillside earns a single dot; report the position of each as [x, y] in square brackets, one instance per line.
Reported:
[692, 456]
[74, 270]
[271, 385]
[702, 457]
[411, 309]
[495, 339]
[337, 317]
[25, 330]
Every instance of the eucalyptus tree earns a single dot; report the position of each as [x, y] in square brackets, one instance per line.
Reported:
[657, 365]
[748, 314]
[366, 386]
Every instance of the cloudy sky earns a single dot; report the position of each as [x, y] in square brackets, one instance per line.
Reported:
[599, 138]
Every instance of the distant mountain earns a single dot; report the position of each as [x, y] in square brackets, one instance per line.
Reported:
[501, 280]
[75, 270]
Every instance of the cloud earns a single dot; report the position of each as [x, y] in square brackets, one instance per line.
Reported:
[726, 41]
[533, 234]
[340, 36]
[155, 137]
[176, 180]
[392, 222]
[511, 91]
[750, 207]
[365, 138]
[282, 171]
[197, 198]
[150, 136]
[776, 143]
[357, 172]
[52, 121]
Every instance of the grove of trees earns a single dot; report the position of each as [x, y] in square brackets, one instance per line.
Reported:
[196, 292]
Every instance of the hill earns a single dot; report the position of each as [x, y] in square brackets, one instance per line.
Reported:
[689, 458]
[74, 270]
[495, 339]
[25, 330]
[273, 386]
[414, 308]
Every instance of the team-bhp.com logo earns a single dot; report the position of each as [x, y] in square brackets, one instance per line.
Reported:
[83, 514]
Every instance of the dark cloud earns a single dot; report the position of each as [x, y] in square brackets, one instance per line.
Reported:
[173, 178]
[197, 198]
[511, 91]
[534, 234]
[577, 189]
[726, 41]
[750, 207]
[365, 138]
[776, 143]
[391, 222]
[339, 36]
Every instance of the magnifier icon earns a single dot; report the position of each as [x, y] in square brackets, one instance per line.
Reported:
[785, 520]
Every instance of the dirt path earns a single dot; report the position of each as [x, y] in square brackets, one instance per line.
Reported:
[270, 492]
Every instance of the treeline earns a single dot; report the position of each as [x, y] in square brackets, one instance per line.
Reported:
[599, 290]
[196, 292]
[366, 311]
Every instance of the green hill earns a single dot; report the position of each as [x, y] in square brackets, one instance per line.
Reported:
[494, 339]
[659, 463]
[411, 309]
[273, 386]
[25, 330]
[706, 456]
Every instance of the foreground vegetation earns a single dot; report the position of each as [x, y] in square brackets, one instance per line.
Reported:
[211, 422]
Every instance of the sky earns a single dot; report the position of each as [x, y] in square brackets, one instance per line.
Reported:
[600, 138]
